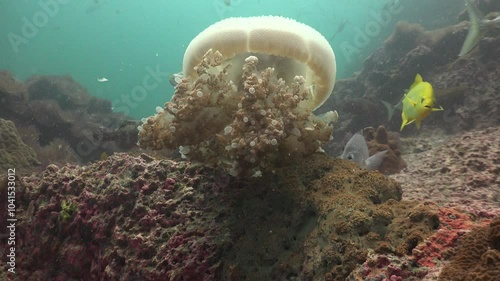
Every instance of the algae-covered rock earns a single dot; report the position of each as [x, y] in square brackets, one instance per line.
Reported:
[14, 154]
[134, 218]
[477, 257]
[381, 140]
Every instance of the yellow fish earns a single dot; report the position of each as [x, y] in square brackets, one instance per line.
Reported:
[416, 104]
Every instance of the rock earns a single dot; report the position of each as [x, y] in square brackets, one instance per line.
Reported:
[57, 107]
[14, 154]
[465, 87]
[381, 140]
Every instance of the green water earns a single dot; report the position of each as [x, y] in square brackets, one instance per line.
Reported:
[137, 44]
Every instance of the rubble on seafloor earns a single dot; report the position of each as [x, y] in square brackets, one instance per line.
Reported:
[454, 171]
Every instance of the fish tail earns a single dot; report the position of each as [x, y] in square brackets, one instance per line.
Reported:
[476, 29]
[390, 109]
[373, 162]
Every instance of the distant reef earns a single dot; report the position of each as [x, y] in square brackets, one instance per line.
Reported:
[61, 121]
[14, 153]
[467, 87]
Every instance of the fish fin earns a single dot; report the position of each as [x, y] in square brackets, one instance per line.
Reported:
[405, 121]
[374, 161]
[418, 79]
[476, 29]
[438, 109]
[390, 109]
[418, 123]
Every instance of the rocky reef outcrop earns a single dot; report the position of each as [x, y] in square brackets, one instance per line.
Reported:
[139, 217]
[380, 140]
[58, 118]
[465, 87]
[14, 154]
[477, 256]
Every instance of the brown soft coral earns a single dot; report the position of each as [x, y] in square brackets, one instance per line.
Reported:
[381, 140]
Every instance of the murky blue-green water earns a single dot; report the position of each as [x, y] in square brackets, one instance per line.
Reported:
[126, 41]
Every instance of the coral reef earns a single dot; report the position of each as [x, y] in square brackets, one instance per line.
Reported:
[140, 217]
[320, 218]
[13, 95]
[381, 140]
[57, 152]
[57, 107]
[65, 92]
[242, 128]
[329, 211]
[123, 218]
[465, 87]
[387, 267]
[477, 256]
[425, 261]
[148, 219]
[14, 154]
[453, 225]
[460, 171]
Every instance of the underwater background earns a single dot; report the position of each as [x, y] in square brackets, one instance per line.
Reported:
[113, 166]
[122, 40]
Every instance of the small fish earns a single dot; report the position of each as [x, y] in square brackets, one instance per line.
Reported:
[227, 2]
[416, 104]
[479, 26]
[356, 150]
[103, 79]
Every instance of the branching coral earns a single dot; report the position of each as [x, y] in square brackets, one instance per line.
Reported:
[245, 127]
